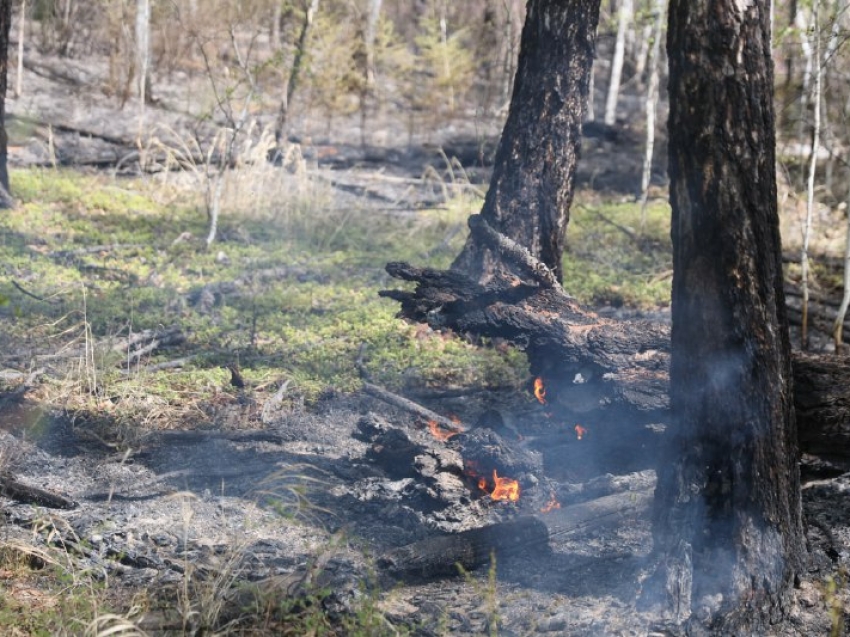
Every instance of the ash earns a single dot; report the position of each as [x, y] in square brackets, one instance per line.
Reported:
[318, 499]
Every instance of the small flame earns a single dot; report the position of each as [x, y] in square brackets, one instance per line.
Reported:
[439, 433]
[580, 431]
[505, 489]
[539, 391]
[551, 505]
[482, 484]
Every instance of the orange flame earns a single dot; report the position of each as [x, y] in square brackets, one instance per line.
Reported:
[539, 391]
[439, 433]
[505, 489]
[551, 505]
[580, 431]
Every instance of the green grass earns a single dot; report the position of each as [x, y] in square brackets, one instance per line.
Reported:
[307, 322]
[619, 266]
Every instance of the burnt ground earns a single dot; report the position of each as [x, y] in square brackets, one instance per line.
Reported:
[261, 507]
[306, 505]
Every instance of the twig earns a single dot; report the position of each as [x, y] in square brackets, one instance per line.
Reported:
[626, 231]
[409, 406]
[93, 249]
[28, 293]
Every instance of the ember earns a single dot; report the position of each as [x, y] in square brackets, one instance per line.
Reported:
[505, 489]
[551, 505]
[539, 391]
[580, 431]
[439, 433]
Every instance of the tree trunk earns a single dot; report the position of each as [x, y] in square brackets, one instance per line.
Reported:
[310, 9]
[727, 520]
[651, 106]
[533, 179]
[625, 16]
[5, 26]
[22, 30]
[810, 183]
[143, 19]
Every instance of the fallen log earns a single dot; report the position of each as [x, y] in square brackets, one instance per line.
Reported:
[822, 402]
[18, 491]
[616, 369]
[443, 555]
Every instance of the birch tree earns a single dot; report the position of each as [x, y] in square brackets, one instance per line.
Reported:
[624, 19]
[810, 189]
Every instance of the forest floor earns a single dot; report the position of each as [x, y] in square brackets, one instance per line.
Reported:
[203, 408]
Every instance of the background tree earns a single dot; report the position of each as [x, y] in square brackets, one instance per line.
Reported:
[625, 12]
[727, 510]
[5, 27]
[533, 178]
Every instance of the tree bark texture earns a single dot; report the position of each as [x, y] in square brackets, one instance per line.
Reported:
[533, 179]
[5, 26]
[727, 514]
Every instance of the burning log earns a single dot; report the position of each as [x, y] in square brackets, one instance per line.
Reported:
[441, 556]
[617, 370]
[587, 361]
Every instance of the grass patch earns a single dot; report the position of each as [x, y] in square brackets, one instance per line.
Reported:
[290, 292]
[610, 261]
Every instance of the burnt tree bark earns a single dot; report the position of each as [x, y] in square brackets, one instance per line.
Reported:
[532, 184]
[727, 512]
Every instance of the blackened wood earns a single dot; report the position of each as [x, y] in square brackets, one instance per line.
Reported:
[624, 364]
[440, 556]
[586, 361]
[26, 494]
[727, 513]
[822, 403]
[531, 188]
[514, 252]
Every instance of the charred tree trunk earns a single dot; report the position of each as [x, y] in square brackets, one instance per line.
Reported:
[532, 185]
[727, 516]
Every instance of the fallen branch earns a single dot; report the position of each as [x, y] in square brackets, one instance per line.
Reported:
[157, 367]
[140, 344]
[409, 406]
[20, 492]
[535, 268]
[93, 249]
[26, 292]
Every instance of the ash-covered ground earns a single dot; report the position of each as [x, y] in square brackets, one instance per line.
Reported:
[305, 504]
